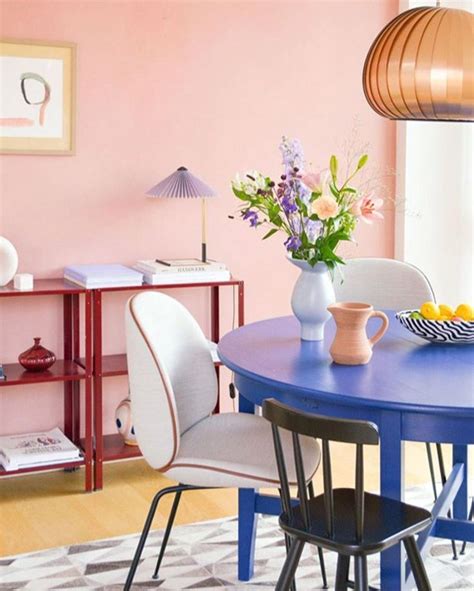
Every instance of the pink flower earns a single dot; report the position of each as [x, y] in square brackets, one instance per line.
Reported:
[315, 180]
[366, 208]
[325, 207]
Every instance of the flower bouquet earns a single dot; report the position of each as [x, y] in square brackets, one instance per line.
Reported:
[317, 211]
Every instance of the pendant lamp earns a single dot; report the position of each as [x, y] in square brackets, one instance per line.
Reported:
[421, 66]
[182, 183]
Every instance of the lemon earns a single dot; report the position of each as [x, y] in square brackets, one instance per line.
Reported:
[442, 318]
[446, 310]
[430, 311]
[465, 311]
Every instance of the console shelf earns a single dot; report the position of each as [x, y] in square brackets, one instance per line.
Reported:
[64, 370]
[112, 447]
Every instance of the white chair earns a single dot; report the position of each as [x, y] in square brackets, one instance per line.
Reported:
[173, 389]
[384, 283]
[393, 285]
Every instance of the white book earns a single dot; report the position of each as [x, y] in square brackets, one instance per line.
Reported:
[178, 278]
[107, 275]
[91, 283]
[179, 266]
[34, 449]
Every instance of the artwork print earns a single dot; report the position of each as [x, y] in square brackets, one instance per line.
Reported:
[36, 98]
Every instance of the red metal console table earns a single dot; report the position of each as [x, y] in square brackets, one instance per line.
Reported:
[111, 447]
[66, 370]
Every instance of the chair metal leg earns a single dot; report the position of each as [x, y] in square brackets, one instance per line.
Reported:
[443, 480]
[322, 564]
[287, 574]
[432, 472]
[146, 529]
[166, 535]
[416, 563]
[471, 515]
[361, 578]
[288, 546]
[342, 572]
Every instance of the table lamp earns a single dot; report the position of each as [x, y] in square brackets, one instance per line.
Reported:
[184, 184]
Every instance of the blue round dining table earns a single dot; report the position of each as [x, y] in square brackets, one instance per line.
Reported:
[412, 390]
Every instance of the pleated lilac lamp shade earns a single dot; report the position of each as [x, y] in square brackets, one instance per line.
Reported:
[182, 184]
[421, 66]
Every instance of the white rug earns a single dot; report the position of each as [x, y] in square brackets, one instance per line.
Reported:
[203, 555]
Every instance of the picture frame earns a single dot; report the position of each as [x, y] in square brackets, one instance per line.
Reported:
[37, 97]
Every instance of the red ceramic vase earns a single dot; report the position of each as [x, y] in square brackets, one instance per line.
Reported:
[37, 358]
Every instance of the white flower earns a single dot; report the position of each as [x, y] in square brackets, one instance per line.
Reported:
[250, 183]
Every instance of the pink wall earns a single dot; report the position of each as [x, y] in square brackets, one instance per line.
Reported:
[211, 85]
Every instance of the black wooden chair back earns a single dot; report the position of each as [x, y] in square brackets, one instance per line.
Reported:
[359, 433]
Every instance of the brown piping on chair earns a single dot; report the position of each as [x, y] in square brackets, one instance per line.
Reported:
[232, 472]
[168, 394]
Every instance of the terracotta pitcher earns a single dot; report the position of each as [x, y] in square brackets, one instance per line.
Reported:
[351, 345]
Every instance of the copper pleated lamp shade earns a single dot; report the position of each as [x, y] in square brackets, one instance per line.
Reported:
[421, 66]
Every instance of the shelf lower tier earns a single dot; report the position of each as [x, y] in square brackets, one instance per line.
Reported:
[116, 365]
[62, 371]
[115, 449]
[54, 466]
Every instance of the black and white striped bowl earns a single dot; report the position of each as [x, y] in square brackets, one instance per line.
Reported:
[447, 331]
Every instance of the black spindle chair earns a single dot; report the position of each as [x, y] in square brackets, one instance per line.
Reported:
[351, 522]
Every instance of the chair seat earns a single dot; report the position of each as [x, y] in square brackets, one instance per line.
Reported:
[386, 522]
[236, 450]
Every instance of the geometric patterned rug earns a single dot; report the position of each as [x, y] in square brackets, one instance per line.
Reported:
[203, 555]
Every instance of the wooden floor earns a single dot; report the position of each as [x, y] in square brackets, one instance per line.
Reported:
[44, 510]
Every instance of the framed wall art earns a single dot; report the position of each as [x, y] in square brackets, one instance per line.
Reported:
[37, 97]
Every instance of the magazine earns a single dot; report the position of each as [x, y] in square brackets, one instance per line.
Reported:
[34, 449]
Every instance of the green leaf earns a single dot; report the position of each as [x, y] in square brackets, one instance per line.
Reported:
[333, 167]
[362, 161]
[348, 190]
[334, 191]
[270, 233]
[241, 195]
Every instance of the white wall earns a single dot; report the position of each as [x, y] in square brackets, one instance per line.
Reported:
[435, 199]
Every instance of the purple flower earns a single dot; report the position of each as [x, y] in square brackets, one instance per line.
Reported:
[251, 216]
[293, 243]
[288, 204]
[292, 153]
[313, 229]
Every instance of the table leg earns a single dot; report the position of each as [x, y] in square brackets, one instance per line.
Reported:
[88, 447]
[247, 518]
[76, 386]
[215, 333]
[241, 303]
[392, 574]
[97, 396]
[68, 386]
[460, 456]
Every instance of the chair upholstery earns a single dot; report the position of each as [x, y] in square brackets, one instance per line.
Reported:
[230, 449]
[173, 391]
[384, 283]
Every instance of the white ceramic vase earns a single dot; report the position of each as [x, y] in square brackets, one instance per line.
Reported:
[312, 294]
[8, 261]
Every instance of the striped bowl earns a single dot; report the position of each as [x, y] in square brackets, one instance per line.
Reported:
[447, 331]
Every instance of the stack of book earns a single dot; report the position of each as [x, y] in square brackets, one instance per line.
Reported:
[177, 271]
[37, 449]
[98, 276]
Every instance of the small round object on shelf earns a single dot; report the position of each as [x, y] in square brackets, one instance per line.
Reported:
[454, 332]
[123, 422]
[37, 357]
[8, 261]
